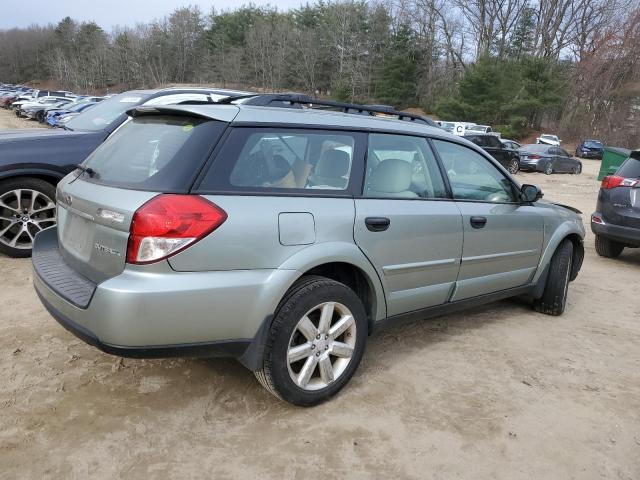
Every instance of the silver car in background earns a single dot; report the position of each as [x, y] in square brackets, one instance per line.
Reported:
[283, 237]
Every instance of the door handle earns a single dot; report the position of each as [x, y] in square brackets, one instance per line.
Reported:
[377, 224]
[478, 222]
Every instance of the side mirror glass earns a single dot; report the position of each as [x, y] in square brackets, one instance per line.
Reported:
[530, 193]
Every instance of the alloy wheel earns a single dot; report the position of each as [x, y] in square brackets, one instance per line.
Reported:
[321, 346]
[23, 213]
[513, 167]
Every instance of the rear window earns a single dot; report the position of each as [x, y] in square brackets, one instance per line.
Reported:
[630, 168]
[160, 153]
[535, 148]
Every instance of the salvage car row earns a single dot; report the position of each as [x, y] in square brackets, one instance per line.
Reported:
[55, 108]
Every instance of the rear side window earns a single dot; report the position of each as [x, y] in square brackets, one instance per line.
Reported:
[283, 160]
[156, 152]
[400, 166]
[630, 168]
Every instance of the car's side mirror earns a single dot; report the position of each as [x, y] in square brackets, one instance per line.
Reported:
[530, 193]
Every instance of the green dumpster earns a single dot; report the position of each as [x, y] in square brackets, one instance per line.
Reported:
[612, 158]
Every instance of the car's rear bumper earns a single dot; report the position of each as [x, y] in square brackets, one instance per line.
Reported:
[159, 312]
[617, 233]
[530, 167]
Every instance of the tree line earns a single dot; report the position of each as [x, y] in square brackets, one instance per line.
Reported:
[521, 65]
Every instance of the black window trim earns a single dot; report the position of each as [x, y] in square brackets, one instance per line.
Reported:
[361, 160]
[356, 176]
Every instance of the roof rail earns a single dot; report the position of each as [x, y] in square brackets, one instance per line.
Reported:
[297, 100]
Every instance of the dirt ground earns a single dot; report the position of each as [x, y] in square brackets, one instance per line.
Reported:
[497, 393]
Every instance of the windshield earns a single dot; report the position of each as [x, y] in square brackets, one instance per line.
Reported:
[549, 137]
[104, 113]
[593, 144]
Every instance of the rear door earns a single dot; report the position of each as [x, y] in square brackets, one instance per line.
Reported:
[502, 237]
[406, 224]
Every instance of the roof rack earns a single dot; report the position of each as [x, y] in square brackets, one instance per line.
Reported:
[297, 100]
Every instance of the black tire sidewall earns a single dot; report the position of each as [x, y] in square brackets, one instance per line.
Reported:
[288, 316]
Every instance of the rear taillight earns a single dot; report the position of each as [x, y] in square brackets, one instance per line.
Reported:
[167, 224]
[534, 157]
[613, 181]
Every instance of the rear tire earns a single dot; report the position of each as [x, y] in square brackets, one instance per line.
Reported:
[608, 248]
[21, 219]
[577, 170]
[548, 168]
[554, 297]
[307, 300]
[513, 166]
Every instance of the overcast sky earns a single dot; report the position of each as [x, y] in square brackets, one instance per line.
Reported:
[108, 13]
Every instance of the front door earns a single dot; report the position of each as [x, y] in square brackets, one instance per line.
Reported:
[405, 224]
[502, 237]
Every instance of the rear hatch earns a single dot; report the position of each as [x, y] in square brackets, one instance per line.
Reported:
[152, 154]
[619, 201]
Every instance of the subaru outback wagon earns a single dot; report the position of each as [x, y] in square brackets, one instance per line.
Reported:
[283, 237]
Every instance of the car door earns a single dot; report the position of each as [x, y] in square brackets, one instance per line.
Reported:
[494, 146]
[567, 161]
[502, 236]
[406, 224]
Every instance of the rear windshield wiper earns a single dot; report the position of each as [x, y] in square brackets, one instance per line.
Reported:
[88, 170]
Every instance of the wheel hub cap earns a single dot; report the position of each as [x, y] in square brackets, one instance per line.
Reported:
[23, 213]
[321, 346]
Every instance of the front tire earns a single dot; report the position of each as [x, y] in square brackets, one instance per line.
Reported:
[554, 297]
[316, 341]
[27, 205]
[608, 248]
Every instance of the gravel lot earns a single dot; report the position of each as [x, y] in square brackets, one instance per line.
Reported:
[500, 393]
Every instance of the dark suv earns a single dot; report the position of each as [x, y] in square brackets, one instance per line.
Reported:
[508, 158]
[616, 221]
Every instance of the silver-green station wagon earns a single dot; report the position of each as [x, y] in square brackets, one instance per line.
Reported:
[279, 231]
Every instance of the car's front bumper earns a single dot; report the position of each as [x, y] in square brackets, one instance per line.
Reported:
[159, 312]
[590, 154]
[617, 233]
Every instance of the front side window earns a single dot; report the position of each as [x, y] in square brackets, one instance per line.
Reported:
[473, 177]
[400, 166]
[266, 159]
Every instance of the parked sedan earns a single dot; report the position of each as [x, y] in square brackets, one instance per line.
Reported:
[54, 120]
[590, 149]
[616, 221]
[37, 111]
[548, 159]
[549, 140]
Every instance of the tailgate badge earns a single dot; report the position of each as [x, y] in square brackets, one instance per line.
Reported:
[103, 249]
